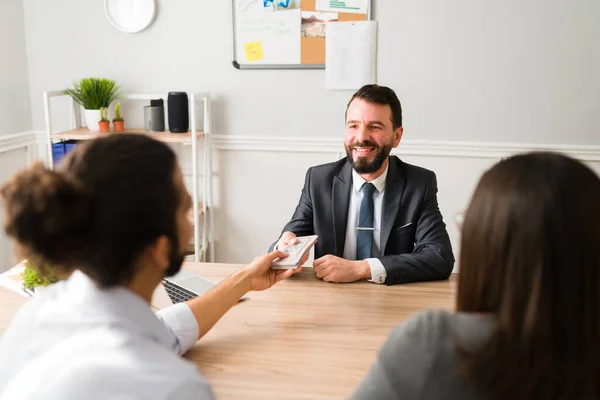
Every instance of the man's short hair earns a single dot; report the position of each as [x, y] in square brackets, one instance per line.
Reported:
[380, 95]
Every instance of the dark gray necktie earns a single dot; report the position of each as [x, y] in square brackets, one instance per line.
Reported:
[364, 235]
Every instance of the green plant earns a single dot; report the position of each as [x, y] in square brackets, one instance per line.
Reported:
[103, 114]
[117, 113]
[32, 278]
[93, 93]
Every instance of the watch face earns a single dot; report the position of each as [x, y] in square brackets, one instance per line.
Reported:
[130, 15]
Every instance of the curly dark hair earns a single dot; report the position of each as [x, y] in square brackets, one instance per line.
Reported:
[106, 202]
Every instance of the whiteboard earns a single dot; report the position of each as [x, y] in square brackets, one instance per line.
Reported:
[270, 34]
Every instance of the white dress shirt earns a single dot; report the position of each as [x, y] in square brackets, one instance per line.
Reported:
[76, 341]
[378, 273]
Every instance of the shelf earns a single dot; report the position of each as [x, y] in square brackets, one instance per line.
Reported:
[202, 233]
[86, 134]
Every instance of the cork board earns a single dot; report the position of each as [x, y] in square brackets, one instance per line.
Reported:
[283, 38]
[312, 49]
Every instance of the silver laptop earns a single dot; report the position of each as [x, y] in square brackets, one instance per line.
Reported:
[186, 285]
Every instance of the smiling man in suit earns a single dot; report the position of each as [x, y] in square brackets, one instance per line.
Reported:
[377, 217]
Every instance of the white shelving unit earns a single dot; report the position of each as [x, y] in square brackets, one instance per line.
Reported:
[202, 208]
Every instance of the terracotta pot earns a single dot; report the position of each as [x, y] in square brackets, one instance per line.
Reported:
[104, 126]
[119, 126]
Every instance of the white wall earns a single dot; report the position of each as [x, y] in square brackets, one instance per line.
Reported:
[10, 162]
[508, 74]
[15, 110]
[509, 71]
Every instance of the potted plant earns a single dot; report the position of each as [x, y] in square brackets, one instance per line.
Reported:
[104, 123]
[118, 122]
[93, 94]
[34, 281]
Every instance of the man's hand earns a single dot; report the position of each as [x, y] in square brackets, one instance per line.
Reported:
[335, 269]
[261, 275]
[287, 238]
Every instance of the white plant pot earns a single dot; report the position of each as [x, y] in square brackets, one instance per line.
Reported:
[91, 119]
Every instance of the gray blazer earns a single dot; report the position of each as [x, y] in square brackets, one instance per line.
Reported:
[415, 244]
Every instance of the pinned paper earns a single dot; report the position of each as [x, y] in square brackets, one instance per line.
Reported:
[350, 54]
[313, 23]
[345, 6]
[254, 51]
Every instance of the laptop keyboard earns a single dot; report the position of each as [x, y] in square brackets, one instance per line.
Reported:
[177, 293]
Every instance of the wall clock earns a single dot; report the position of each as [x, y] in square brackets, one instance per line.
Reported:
[130, 16]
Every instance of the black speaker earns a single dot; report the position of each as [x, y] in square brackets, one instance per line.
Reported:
[179, 112]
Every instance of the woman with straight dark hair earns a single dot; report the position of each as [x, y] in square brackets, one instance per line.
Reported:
[113, 218]
[527, 320]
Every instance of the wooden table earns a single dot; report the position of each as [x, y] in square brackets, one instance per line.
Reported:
[302, 339]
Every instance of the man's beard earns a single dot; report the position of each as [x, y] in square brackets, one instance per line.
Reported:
[175, 258]
[362, 165]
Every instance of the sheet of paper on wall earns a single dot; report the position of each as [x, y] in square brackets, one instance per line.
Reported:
[350, 54]
[343, 6]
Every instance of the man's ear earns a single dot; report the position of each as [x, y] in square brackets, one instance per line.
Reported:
[398, 136]
[159, 252]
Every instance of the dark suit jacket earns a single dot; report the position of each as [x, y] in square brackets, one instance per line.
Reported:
[414, 241]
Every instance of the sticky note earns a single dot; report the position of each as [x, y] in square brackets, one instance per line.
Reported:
[254, 51]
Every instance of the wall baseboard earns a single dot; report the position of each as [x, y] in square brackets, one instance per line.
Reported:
[332, 145]
[17, 141]
[407, 147]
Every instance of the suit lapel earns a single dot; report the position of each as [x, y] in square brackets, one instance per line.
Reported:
[394, 187]
[342, 184]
